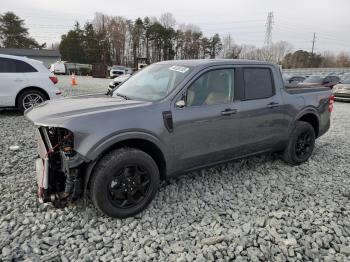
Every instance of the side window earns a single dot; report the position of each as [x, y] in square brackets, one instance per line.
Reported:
[257, 83]
[211, 88]
[327, 79]
[23, 67]
[8, 65]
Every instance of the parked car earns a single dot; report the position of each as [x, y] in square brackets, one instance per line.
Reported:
[344, 76]
[320, 80]
[25, 82]
[117, 71]
[58, 68]
[293, 81]
[170, 118]
[116, 82]
[342, 91]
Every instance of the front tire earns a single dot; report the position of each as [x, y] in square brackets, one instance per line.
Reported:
[124, 182]
[301, 144]
[29, 99]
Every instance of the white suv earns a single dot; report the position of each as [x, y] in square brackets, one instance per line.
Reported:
[25, 82]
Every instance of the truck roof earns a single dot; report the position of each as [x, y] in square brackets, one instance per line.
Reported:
[201, 62]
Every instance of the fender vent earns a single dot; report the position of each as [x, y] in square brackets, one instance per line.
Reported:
[168, 120]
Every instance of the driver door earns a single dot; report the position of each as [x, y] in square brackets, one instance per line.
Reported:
[206, 129]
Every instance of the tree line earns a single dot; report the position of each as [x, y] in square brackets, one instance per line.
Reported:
[115, 40]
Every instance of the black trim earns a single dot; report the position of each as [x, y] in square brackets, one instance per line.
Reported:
[168, 121]
[239, 84]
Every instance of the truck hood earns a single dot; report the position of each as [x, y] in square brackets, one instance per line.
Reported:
[57, 112]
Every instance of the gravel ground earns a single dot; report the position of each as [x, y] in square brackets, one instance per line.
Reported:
[85, 85]
[254, 209]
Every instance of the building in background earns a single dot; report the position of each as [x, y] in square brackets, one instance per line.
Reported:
[48, 57]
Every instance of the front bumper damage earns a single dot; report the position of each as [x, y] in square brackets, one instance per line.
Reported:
[59, 172]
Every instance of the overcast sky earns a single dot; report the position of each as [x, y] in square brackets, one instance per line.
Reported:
[295, 21]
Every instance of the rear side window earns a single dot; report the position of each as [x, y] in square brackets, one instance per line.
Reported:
[257, 83]
[335, 79]
[8, 65]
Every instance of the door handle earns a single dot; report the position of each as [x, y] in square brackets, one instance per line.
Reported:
[18, 80]
[273, 104]
[228, 112]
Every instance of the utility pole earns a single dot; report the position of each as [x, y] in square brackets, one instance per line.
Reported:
[312, 51]
[313, 45]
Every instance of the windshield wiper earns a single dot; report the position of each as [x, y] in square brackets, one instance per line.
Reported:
[123, 96]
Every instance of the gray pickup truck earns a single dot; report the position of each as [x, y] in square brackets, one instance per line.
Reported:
[168, 119]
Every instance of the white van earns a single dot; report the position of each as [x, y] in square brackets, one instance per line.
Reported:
[58, 68]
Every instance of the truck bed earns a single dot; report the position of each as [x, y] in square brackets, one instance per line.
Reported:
[302, 90]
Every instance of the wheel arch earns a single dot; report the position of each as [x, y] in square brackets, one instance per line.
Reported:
[149, 147]
[311, 117]
[31, 88]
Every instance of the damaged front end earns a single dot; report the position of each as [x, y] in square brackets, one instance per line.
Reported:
[59, 168]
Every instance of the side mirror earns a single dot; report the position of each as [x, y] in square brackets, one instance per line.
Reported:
[180, 104]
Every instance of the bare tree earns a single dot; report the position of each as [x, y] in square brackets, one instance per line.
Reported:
[329, 59]
[343, 59]
[279, 51]
[167, 20]
[229, 48]
[117, 30]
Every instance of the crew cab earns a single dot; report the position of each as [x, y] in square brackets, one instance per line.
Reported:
[171, 118]
[25, 82]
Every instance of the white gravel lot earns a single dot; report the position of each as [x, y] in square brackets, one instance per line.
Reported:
[85, 85]
[258, 209]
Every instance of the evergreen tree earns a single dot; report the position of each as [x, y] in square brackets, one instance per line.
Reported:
[90, 45]
[13, 34]
[71, 46]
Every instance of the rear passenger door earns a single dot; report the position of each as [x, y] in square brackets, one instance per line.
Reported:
[260, 110]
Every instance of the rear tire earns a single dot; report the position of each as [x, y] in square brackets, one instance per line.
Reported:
[30, 98]
[124, 182]
[301, 144]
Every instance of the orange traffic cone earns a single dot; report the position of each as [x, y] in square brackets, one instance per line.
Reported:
[73, 80]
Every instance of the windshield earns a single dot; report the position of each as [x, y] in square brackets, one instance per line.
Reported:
[314, 79]
[153, 83]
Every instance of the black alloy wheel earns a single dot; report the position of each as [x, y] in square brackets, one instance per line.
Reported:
[129, 186]
[124, 182]
[303, 144]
